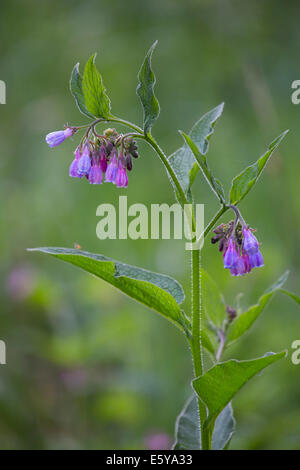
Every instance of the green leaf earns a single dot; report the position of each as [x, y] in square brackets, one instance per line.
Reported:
[214, 184]
[217, 387]
[145, 91]
[95, 97]
[242, 183]
[187, 430]
[207, 342]
[157, 291]
[76, 90]
[245, 320]
[291, 295]
[212, 301]
[224, 429]
[183, 161]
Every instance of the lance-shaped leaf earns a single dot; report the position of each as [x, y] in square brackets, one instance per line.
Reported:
[183, 161]
[245, 320]
[217, 387]
[187, 429]
[96, 100]
[76, 90]
[293, 296]
[158, 291]
[212, 301]
[207, 342]
[145, 91]
[215, 184]
[242, 183]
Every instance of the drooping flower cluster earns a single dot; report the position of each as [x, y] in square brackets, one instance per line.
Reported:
[104, 158]
[239, 246]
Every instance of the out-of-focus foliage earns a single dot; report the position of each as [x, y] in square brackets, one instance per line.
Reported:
[87, 367]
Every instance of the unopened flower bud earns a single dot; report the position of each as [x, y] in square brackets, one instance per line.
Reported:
[231, 313]
[58, 137]
[128, 162]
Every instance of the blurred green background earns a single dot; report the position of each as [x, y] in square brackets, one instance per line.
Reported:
[86, 366]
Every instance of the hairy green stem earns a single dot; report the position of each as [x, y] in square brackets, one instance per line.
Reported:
[196, 341]
[166, 163]
[238, 215]
[197, 326]
[213, 221]
[122, 121]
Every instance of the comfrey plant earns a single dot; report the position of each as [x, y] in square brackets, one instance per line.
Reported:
[206, 421]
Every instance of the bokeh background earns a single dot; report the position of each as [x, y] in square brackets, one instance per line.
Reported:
[87, 367]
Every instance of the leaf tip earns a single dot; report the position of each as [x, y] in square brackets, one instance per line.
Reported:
[283, 134]
[92, 58]
[154, 45]
[183, 134]
[278, 355]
